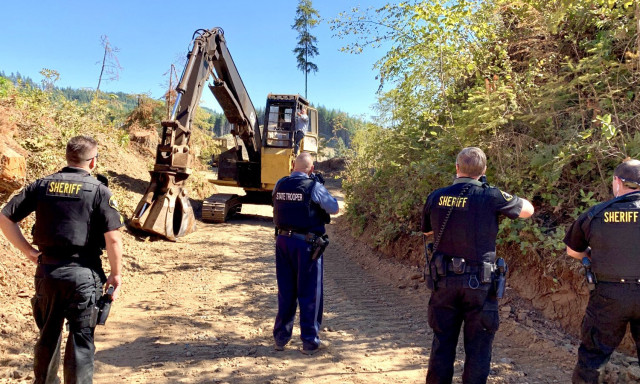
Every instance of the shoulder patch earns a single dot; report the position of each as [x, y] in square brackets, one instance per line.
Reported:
[113, 203]
[506, 196]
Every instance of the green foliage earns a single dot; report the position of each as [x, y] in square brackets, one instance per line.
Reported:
[5, 86]
[547, 89]
[202, 136]
[335, 125]
[49, 120]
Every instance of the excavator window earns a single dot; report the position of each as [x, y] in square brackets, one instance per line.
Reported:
[280, 126]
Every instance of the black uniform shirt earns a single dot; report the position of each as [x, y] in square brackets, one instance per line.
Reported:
[575, 238]
[612, 230]
[105, 216]
[473, 225]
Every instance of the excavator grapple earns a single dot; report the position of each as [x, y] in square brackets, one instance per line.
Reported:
[165, 209]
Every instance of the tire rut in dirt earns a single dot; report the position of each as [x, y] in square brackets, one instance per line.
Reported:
[394, 316]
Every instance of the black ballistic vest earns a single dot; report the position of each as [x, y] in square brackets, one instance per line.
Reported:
[614, 237]
[293, 209]
[63, 212]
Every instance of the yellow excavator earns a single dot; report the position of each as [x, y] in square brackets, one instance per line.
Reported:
[260, 156]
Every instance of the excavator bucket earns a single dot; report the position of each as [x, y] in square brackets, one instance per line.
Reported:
[165, 208]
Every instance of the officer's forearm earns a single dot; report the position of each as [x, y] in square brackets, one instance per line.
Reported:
[13, 233]
[113, 240]
[577, 255]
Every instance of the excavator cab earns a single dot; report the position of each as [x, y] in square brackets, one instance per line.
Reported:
[280, 122]
[279, 134]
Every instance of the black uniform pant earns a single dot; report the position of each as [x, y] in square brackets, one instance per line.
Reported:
[64, 291]
[452, 304]
[611, 307]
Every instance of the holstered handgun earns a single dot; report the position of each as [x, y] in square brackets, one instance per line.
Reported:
[318, 245]
[101, 310]
[436, 267]
[588, 273]
[501, 277]
[430, 275]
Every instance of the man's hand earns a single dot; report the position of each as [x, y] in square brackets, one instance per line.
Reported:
[579, 255]
[33, 255]
[113, 241]
[13, 233]
[116, 282]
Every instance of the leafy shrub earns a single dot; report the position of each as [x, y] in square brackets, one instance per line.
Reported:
[547, 89]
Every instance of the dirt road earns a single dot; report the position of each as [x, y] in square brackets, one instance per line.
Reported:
[201, 311]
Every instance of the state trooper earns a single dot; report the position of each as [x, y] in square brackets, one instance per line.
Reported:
[463, 219]
[608, 237]
[76, 216]
[301, 208]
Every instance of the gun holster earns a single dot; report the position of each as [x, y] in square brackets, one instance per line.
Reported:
[436, 267]
[501, 277]
[440, 264]
[100, 311]
[318, 245]
[430, 274]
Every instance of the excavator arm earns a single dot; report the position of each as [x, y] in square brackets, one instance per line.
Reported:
[165, 209]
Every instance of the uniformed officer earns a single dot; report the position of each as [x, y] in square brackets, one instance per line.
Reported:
[463, 218]
[76, 216]
[609, 235]
[301, 208]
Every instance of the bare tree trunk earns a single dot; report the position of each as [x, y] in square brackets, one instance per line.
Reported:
[104, 60]
[306, 67]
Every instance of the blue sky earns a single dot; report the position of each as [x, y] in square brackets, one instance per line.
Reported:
[151, 35]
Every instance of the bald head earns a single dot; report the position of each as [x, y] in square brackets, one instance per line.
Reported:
[303, 163]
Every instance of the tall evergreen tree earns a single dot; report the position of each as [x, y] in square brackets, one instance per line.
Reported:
[306, 18]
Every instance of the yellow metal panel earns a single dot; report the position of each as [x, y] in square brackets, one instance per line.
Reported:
[276, 164]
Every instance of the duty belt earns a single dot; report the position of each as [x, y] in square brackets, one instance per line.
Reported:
[48, 260]
[308, 237]
[613, 279]
[467, 268]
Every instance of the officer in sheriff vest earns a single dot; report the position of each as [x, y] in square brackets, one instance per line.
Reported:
[463, 218]
[609, 235]
[301, 208]
[76, 216]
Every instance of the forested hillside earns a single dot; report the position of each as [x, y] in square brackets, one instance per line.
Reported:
[548, 89]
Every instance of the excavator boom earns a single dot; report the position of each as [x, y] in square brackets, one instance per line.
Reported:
[165, 208]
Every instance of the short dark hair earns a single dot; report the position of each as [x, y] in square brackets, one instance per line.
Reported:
[471, 161]
[79, 149]
[629, 172]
